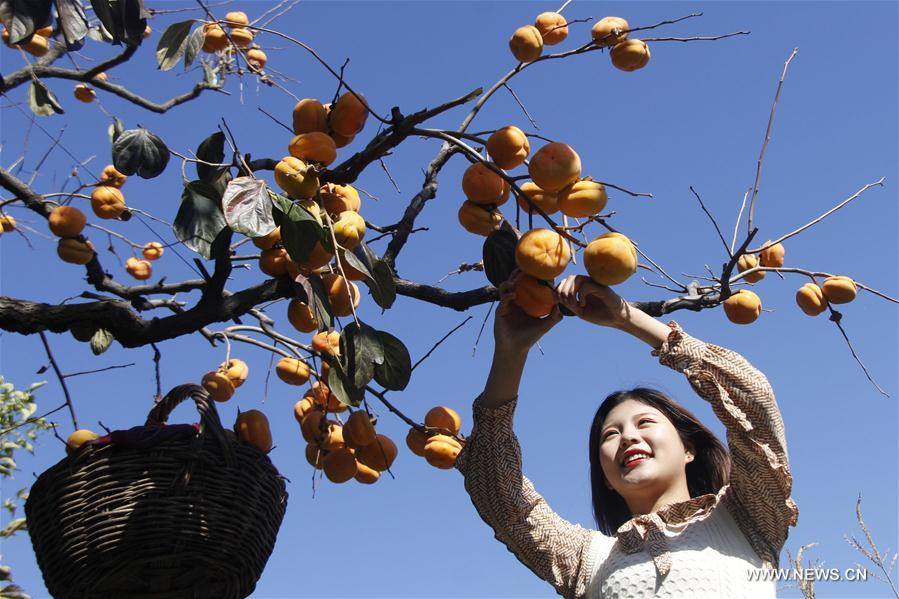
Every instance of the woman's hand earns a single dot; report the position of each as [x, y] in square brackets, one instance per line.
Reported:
[513, 330]
[593, 302]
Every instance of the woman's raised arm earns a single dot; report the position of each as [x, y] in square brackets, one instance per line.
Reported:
[760, 480]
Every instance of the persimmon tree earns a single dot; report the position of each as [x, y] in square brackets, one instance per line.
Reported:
[303, 211]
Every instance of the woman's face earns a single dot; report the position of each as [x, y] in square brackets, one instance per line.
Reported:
[641, 453]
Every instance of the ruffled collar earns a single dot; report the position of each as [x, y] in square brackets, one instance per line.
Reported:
[648, 530]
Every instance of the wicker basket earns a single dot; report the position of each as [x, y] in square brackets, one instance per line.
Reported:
[160, 514]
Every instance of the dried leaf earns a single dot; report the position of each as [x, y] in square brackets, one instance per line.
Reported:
[247, 207]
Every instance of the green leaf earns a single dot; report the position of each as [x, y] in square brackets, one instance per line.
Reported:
[361, 351]
[396, 370]
[194, 44]
[211, 149]
[72, 21]
[101, 341]
[300, 230]
[172, 44]
[380, 280]
[357, 263]
[200, 219]
[340, 386]
[11, 528]
[140, 151]
[499, 255]
[42, 101]
[317, 299]
[247, 207]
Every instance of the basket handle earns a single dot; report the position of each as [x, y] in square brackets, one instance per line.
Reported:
[209, 417]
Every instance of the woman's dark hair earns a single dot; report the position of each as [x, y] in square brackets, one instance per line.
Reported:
[707, 473]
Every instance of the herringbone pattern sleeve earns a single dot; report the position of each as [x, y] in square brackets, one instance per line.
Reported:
[553, 548]
[760, 480]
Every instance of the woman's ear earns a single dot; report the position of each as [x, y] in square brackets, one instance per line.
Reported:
[689, 452]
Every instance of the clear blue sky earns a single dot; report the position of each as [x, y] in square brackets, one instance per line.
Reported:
[695, 116]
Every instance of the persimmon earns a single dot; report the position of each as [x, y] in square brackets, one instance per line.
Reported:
[46, 31]
[273, 262]
[743, 307]
[7, 223]
[322, 395]
[379, 454]
[38, 46]
[747, 261]
[552, 27]
[546, 200]
[139, 269]
[301, 317]
[366, 475]
[542, 253]
[83, 93]
[342, 294]
[351, 273]
[337, 199]
[555, 166]
[508, 147]
[839, 289]
[310, 426]
[309, 115]
[314, 146]
[318, 258]
[218, 386]
[302, 407]
[630, 55]
[526, 43]
[359, 430]
[236, 19]
[441, 451]
[582, 199]
[292, 371]
[444, 417]
[148, 31]
[66, 221]
[257, 58]
[242, 37]
[483, 186]
[112, 177]
[152, 250]
[325, 342]
[253, 429]
[214, 38]
[610, 259]
[332, 437]
[107, 202]
[609, 31]
[236, 370]
[348, 114]
[296, 177]
[533, 296]
[478, 219]
[349, 229]
[315, 455]
[341, 140]
[339, 465]
[80, 437]
[74, 251]
[772, 255]
[810, 299]
[415, 441]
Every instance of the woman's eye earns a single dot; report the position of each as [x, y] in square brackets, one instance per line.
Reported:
[643, 420]
[608, 435]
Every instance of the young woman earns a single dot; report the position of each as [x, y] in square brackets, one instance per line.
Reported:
[678, 514]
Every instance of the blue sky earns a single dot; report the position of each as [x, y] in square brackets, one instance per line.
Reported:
[695, 116]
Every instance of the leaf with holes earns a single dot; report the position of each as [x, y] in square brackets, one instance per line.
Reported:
[200, 220]
[396, 370]
[42, 101]
[172, 44]
[247, 207]
[140, 151]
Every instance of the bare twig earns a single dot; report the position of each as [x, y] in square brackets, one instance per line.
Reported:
[714, 222]
[62, 379]
[521, 105]
[733, 241]
[873, 553]
[442, 339]
[837, 317]
[758, 168]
